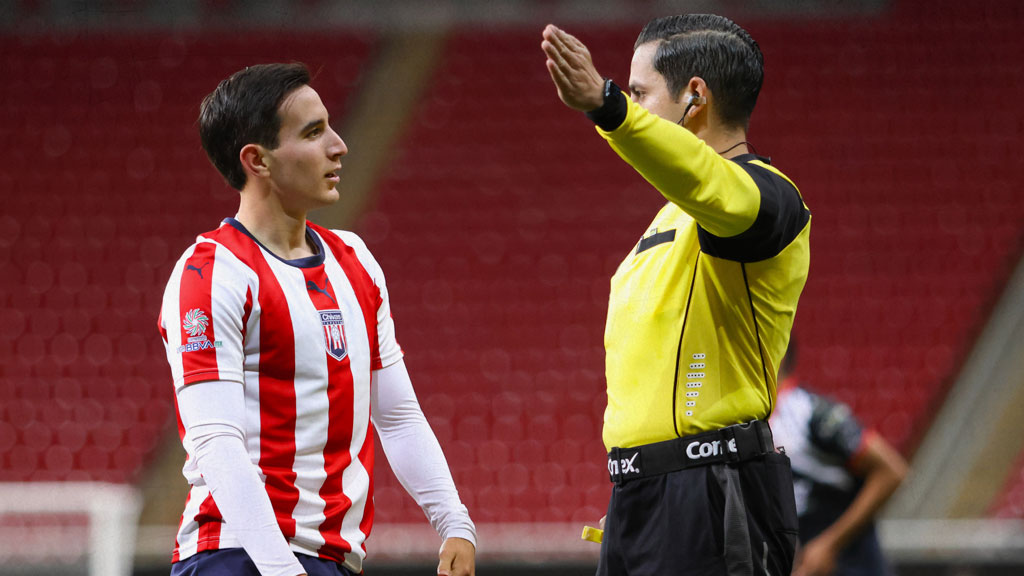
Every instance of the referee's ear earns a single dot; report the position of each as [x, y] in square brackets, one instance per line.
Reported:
[697, 99]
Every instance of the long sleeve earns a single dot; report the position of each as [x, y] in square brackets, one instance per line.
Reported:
[414, 453]
[213, 416]
[681, 166]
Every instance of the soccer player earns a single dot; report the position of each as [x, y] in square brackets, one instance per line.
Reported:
[842, 472]
[282, 349]
[701, 308]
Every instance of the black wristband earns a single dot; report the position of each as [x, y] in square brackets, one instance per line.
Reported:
[612, 112]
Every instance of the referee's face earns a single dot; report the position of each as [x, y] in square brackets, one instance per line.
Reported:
[647, 87]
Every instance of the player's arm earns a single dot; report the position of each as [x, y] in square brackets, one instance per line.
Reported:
[419, 464]
[210, 397]
[667, 155]
[213, 414]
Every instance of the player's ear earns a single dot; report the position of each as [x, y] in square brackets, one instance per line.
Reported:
[254, 160]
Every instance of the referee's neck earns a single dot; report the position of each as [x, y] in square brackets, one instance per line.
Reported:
[727, 142]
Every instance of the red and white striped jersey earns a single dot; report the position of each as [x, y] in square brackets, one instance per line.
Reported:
[302, 337]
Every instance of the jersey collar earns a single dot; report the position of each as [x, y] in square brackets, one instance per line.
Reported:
[306, 262]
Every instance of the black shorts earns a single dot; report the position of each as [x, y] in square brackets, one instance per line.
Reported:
[716, 520]
[235, 562]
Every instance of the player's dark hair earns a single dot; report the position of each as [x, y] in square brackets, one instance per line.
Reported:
[244, 110]
[714, 48]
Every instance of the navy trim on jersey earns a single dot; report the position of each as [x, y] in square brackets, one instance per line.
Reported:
[781, 217]
[307, 262]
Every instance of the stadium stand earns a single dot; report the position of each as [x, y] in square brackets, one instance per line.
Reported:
[498, 224]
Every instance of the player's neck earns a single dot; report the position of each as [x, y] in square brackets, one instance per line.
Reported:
[279, 230]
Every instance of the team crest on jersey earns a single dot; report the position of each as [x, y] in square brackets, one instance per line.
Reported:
[195, 322]
[334, 333]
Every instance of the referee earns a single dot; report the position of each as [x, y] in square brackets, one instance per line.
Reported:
[700, 310]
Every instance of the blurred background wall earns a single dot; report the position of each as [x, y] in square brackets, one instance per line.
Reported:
[498, 216]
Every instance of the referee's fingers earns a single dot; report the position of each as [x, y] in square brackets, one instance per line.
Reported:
[555, 55]
[572, 43]
[576, 56]
[558, 39]
[559, 76]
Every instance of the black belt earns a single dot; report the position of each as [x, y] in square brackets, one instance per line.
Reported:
[730, 444]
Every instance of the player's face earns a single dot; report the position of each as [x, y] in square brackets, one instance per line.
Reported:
[304, 166]
[647, 87]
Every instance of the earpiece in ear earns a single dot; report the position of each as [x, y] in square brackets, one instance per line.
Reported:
[691, 101]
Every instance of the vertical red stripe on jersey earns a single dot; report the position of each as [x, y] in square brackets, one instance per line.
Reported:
[366, 457]
[337, 453]
[196, 309]
[209, 519]
[366, 291]
[276, 380]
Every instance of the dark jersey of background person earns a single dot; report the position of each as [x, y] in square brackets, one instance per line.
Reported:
[822, 439]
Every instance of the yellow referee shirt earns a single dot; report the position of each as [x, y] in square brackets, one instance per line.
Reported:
[701, 309]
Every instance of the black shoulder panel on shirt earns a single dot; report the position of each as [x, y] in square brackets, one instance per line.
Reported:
[780, 219]
[833, 428]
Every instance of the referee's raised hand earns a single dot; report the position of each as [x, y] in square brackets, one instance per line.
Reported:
[572, 70]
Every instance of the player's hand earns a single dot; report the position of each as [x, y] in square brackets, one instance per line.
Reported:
[572, 70]
[458, 558]
[816, 558]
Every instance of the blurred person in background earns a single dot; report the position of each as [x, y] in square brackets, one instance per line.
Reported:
[701, 308]
[282, 350]
[842, 475]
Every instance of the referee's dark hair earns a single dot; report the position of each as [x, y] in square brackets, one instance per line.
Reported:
[714, 48]
[243, 110]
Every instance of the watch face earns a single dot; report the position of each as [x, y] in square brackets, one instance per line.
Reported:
[609, 89]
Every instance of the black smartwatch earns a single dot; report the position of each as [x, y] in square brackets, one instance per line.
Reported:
[612, 112]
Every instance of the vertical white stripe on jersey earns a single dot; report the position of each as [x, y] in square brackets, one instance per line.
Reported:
[253, 423]
[231, 281]
[311, 417]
